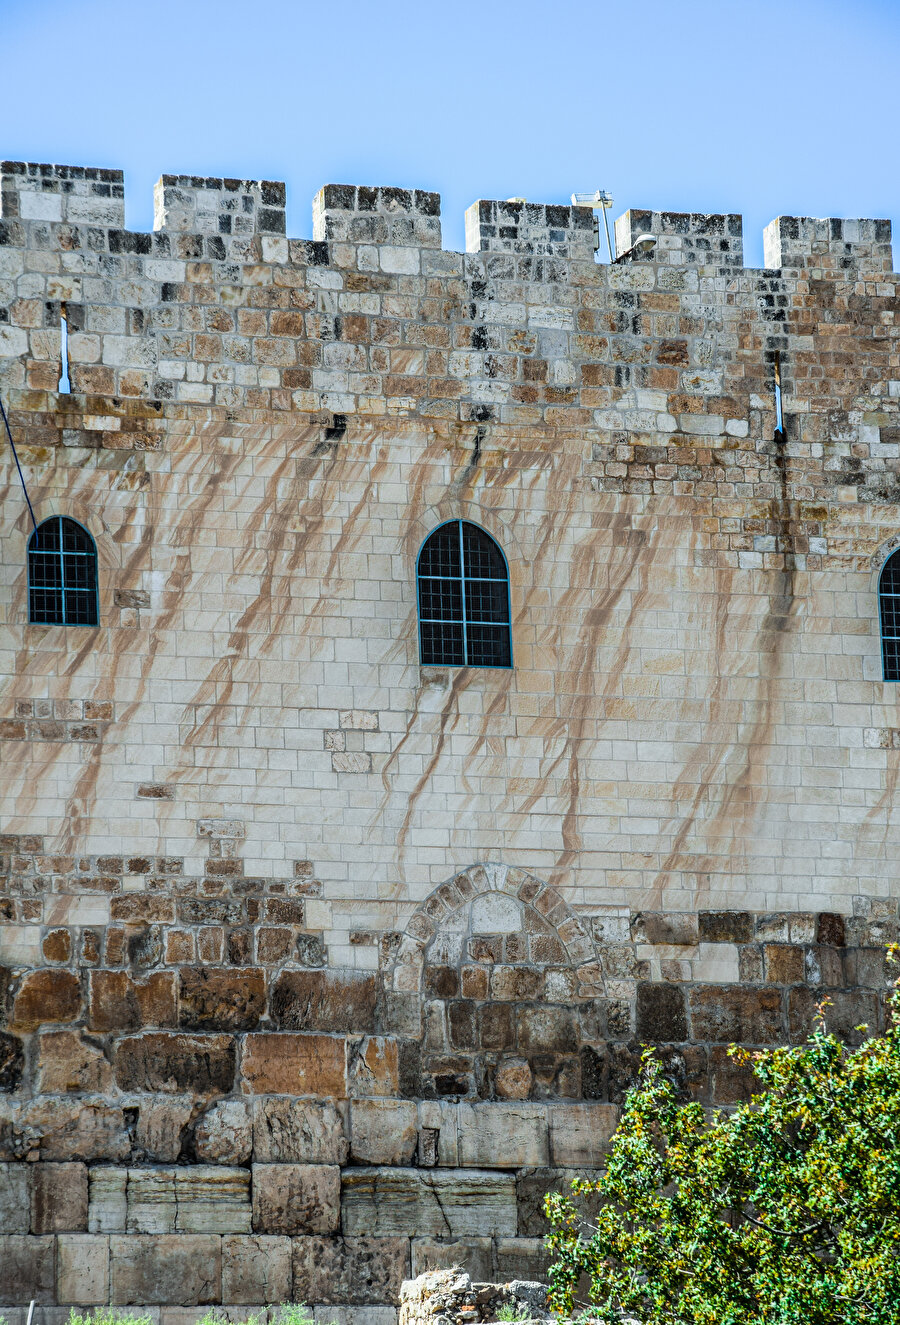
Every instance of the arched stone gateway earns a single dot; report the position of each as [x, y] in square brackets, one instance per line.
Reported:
[507, 984]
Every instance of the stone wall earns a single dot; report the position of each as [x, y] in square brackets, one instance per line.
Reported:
[267, 1030]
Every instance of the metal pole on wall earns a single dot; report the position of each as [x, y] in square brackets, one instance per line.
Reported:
[33, 521]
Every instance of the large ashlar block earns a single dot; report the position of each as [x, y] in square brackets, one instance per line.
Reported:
[292, 1131]
[27, 1265]
[174, 1268]
[82, 1269]
[175, 1064]
[256, 1269]
[14, 1204]
[476, 1254]
[503, 1136]
[211, 1199]
[108, 1200]
[354, 1271]
[428, 1202]
[580, 1133]
[286, 1064]
[383, 1131]
[296, 1198]
[59, 1198]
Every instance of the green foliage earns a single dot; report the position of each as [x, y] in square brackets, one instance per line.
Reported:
[108, 1316]
[510, 1313]
[785, 1211]
[289, 1313]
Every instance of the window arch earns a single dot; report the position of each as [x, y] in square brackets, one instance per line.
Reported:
[889, 605]
[62, 574]
[463, 586]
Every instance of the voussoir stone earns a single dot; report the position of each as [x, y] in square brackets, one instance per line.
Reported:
[296, 1198]
[298, 1131]
[428, 1203]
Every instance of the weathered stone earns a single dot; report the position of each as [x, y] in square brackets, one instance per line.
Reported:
[672, 928]
[736, 1016]
[502, 1136]
[257, 1268]
[176, 1268]
[439, 1119]
[14, 1202]
[294, 1065]
[532, 1185]
[476, 1254]
[331, 1000]
[784, 964]
[547, 1028]
[296, 1198]
[831, 929]
[12, 1062]
[160, 1131]
[725, 926]
[373, 1068]
[292, 1131]
[120, 1003]
[108, 1200]
[82, 1269]
[580, 1133]
[46, 996]
[59, 1198]
[27, 1269]
[661, 1013]
[852, 1015]
[513, 1079]
[212, 1199]
[175, 1063]
[731, 1082]
[355, 1271]
[428, 1203]
[74, 1129]
[383, 1131]
[213, 999]
[521, 1258]
[224, 1135]
[151, 1205]
[67, 1063]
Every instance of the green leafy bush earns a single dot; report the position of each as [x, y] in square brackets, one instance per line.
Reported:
[108, 1316]
[785, 1211]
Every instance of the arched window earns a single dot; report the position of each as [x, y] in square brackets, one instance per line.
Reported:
[62, 574]
[889, 603]
[463, 599]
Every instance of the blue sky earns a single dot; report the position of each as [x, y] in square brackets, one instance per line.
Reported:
[755, 106]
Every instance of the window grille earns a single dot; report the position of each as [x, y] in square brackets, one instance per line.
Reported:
[62, 574]
[889, 603]
[463, 584]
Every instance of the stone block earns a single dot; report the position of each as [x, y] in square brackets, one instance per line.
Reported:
[66, 1063]
[784, 964]
[107, 1200]
[730, 1081]
[296, 1198]
[521, 1258]
[428, 1203]
[383, 1131]
[736, 1016]
[328, 1000]
[580, 1133]
[27, 1269]
[547, 1029]
[46, 996]
[256, 1269]
[14, 1200]
[353, 1271]
[75, 1129]
[847, 1011]
[161, 1126]
[119, 1003]
[292, 1131]
[532, 1185]
[151, 1205]
[224, 1135]
[59, 1198]
[212, 999]
[12, 1062]
[671, 928]
[438, 1119]
[177, 1268]
[294, 1065]
[661, 1015]
[502, 1136]
[725, 926]
[831, 929]
[211, 1198]
[373, 1067]
[476, 1254]
[172, 1063]
[335, 1315]
[82, 1269]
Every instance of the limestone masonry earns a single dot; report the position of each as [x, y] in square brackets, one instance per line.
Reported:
[319, 966]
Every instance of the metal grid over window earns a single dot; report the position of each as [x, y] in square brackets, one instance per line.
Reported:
[62, 574]
[889, 603]
[463, 586]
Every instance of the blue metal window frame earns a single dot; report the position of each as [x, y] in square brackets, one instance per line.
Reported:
[62, 555]
[462, 578]
[882, 595]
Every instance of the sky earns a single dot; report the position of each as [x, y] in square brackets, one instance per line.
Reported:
[765, 107]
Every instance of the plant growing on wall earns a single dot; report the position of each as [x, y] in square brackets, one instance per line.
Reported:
[785, 1211]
